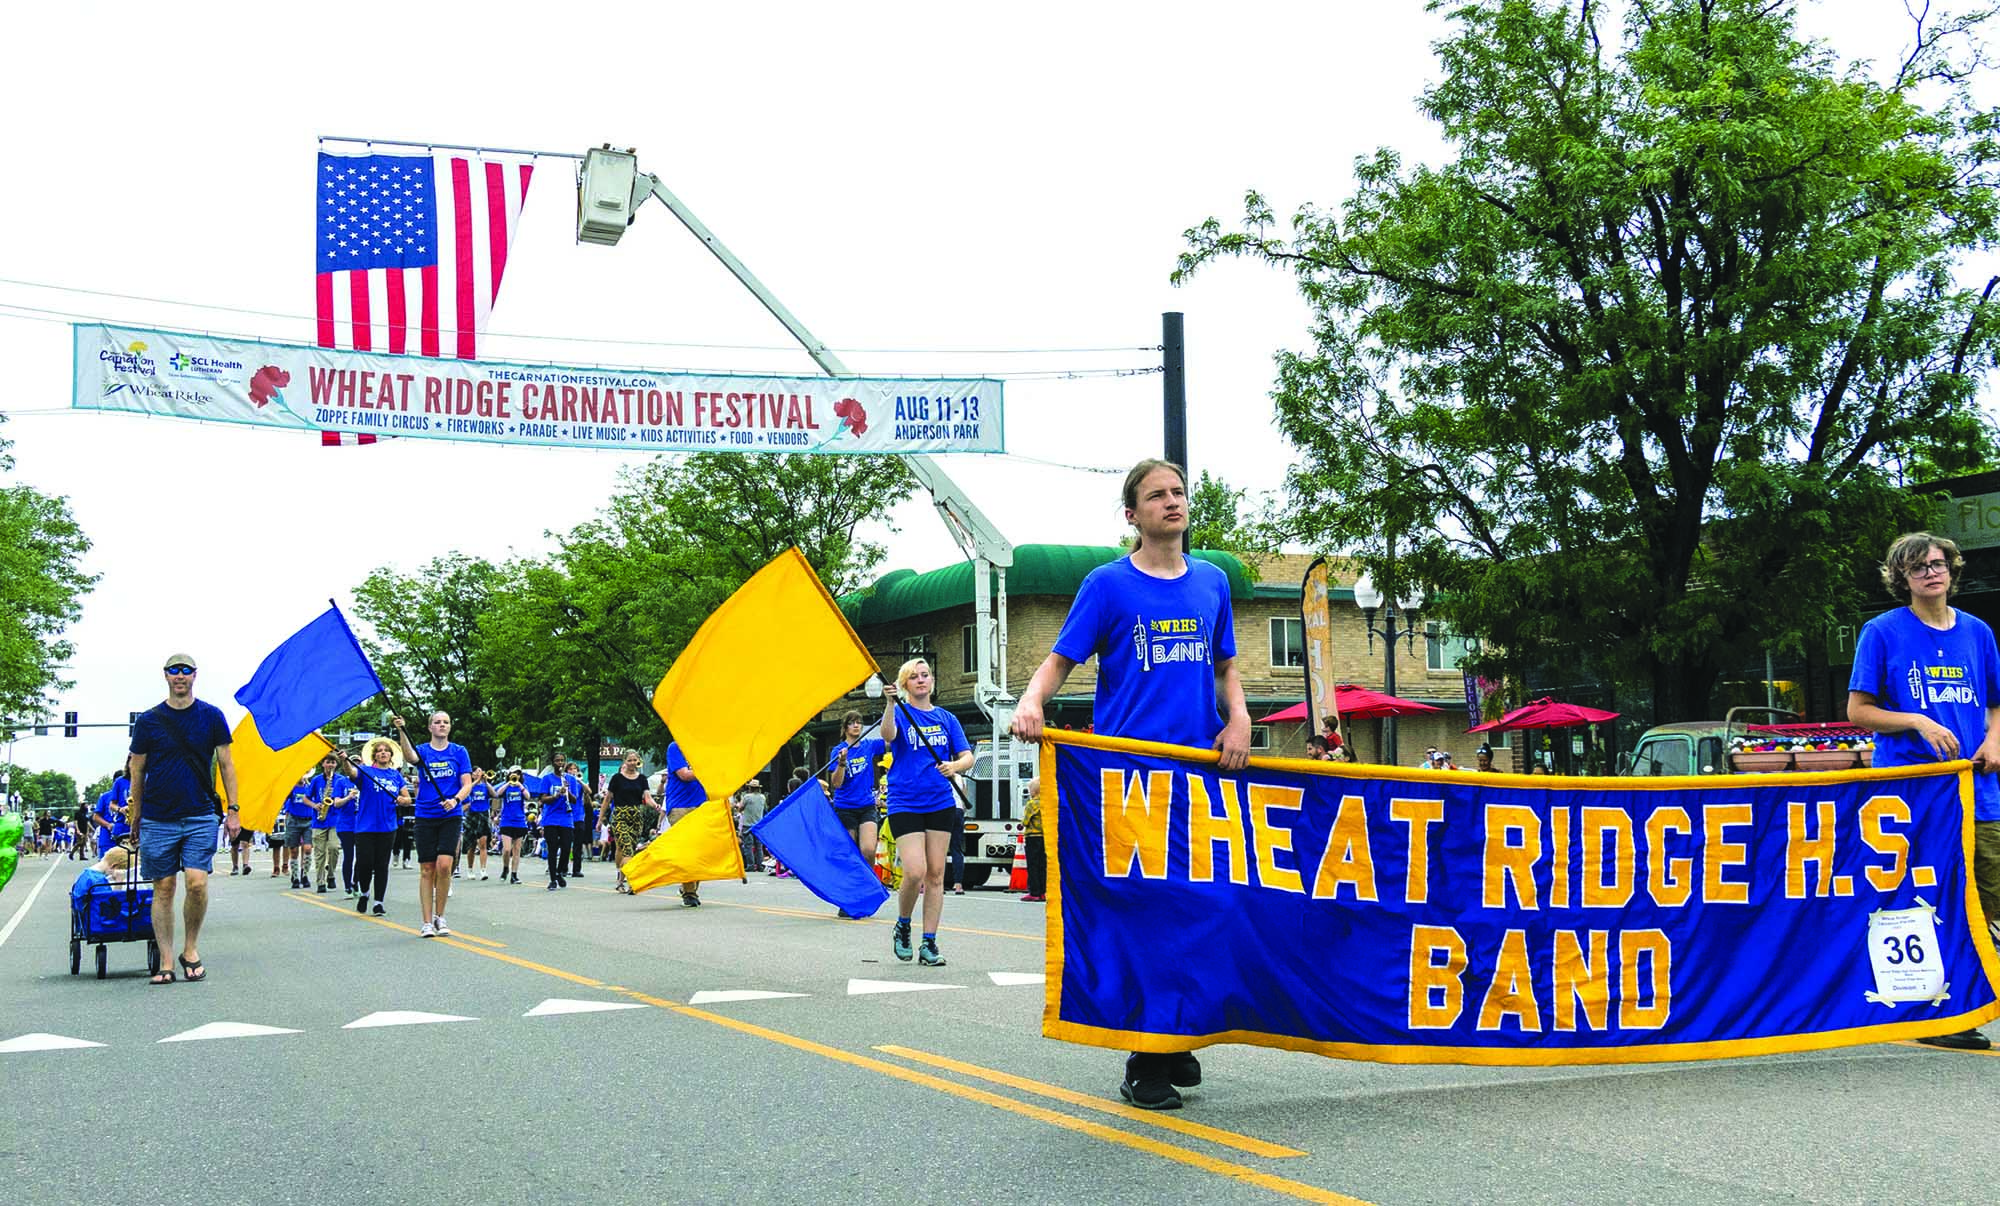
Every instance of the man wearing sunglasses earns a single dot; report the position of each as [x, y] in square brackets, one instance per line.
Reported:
[176, 748]
[1927, 680]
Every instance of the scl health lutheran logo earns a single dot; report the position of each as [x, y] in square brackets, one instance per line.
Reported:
[184, 365]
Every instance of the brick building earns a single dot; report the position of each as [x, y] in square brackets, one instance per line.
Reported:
[908, 613]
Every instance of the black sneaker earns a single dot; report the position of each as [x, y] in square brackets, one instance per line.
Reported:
[1964, 1040]
[377, 910]
[1147, 1084]
[361, 903]
[1183, 1069]
[322, 889]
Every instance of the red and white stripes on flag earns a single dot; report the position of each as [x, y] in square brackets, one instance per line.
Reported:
[431, 292]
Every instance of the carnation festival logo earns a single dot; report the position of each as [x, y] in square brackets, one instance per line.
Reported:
[267, 385]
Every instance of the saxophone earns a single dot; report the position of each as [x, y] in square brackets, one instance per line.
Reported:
[325, 804]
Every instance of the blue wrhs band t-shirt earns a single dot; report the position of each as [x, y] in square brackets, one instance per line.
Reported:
[479, 799]
[1157, 641]
[560, 807]
[513, 806]
[858, 790]
[375, 812]
[914, 782]
[1952, 676]
[438, 781]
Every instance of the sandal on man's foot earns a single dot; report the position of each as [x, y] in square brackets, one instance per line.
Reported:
[194, 972]
[163, 976]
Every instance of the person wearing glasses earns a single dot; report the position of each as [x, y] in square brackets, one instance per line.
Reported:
[176, 747]
[1926, 680]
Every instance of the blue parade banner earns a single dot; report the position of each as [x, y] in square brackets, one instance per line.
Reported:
[1374, 913]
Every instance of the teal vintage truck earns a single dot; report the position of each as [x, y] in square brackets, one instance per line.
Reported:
[1735, 745]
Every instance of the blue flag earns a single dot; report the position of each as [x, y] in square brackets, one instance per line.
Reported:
[318, 673]
[805, 835]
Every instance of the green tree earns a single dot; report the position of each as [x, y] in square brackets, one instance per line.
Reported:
[1635, 379]
[423, 641]
[43, 791]
[1217, 519]
[41, 594]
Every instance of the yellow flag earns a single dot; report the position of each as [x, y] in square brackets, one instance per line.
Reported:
[761, 667]
[701, 845]
[264, 776]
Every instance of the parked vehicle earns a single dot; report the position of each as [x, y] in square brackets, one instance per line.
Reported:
[999, 800]
[1735, 746]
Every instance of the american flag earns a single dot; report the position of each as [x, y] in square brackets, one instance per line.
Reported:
[410, 252]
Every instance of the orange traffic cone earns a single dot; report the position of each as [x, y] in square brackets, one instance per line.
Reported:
[1017, 880]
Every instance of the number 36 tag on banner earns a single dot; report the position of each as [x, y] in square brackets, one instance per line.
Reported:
[1903, 947]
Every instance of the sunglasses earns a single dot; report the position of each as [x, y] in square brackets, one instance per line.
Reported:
[180, 669]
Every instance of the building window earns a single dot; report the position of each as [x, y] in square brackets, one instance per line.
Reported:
[968, 651]
[920, 646]
[1260, 736]
[1445, 649]
[1288, 641]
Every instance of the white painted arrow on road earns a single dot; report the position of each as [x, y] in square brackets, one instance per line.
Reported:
[1010, 978]
[560, 1005]
[43, 1042]
[717, 996]
[862, 988]
[225, 1030]
[403, 1017]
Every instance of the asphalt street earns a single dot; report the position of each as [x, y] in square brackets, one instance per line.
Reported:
[585, 1047]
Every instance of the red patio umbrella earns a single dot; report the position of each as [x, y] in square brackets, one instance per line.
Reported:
[1358, 703]
[1546, 713]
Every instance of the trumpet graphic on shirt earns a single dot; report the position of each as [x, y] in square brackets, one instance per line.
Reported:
[1917, 684]
[1140, 645]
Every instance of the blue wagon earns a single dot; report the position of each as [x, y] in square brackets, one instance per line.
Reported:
[112, 913]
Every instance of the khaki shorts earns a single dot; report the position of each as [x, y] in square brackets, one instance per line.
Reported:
[1986, 867]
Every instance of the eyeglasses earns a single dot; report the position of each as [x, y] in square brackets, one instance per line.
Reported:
[180, 669]
[1930, 569]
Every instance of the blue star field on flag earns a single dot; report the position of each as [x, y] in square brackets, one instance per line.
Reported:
[376, 211]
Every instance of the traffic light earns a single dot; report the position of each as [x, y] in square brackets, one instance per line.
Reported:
[69, 724]
[131, 724]
[41, 730]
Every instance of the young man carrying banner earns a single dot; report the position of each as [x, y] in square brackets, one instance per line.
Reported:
[1128, 614]
[1926, 679]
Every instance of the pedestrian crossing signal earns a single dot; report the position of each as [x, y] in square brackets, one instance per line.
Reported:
[131, 724]
[69, 724]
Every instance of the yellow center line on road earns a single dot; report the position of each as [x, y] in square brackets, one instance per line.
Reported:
[1244, 1143]
[1069, 1122]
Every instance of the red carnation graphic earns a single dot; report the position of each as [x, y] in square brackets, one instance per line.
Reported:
[851, 415]
[266, 384]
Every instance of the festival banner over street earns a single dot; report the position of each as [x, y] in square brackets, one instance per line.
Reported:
[300, 388]
[1428, 917]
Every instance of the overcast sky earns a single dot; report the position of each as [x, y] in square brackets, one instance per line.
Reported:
[903, 176]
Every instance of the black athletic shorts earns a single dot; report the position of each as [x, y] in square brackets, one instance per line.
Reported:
[514, 831]
[435, 836]
[941, 820]
[854, 818]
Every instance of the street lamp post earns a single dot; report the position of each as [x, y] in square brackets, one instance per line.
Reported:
[1370, 600]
